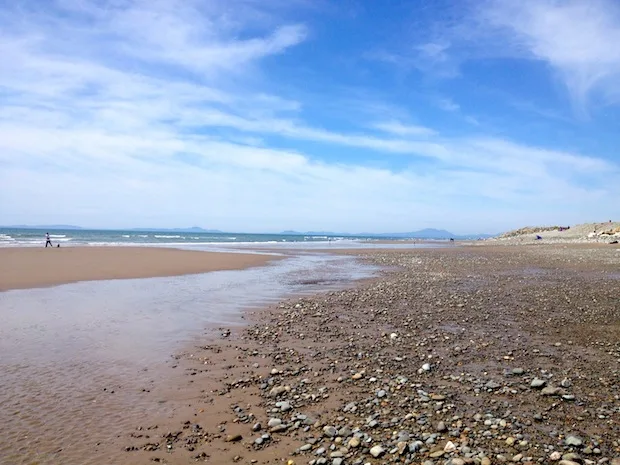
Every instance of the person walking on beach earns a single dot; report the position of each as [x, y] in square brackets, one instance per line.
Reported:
[47, 240]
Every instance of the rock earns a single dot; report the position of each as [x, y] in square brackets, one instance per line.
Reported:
[492, 385]
[517, 371]
[555, 456]
[615, 461]
[377, 451]
[357, 376]
[574, 441]
[457, 461]
[338, 461]
[278, 390]
[567, 462]
[426, 367]
[441, 427]
[438, 397]
[551, 391]
[402, 447]
[485, 461]
[538, 383]
[258, 441]
[354, 442]
[330, 431]
[257, 427]
[436, 454]
[284, 406]
[381, 393]
[273, 422]
[234, 438]
[449, 447]
[305, 447]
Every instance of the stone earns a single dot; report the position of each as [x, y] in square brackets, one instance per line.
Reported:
[402, 447]
[441, 427]
[276, 391]
[449, 447]
[551, 391]
[354, 442]
[538, 383]
[485, 461]
[234, 438]
[273, 422]
[436, 454]
[567, 462]
[517, 371]
[457, 461]
[555, 456]
[426, 367]
[377, 451]
[330, 431]
[381, 393]
[305, 447]
[492, 385]
[257, 427]
[357, 376]
[284, 406]
[574, 441]
[338, 461]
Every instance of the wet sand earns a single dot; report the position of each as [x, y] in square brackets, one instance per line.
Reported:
[22, 268]
[468, 355]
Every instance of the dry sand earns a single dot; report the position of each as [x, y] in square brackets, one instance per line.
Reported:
[28, 267]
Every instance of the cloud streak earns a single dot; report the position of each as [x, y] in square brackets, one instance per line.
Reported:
[120, 124]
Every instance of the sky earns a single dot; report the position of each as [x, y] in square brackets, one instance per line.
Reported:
[349, 116]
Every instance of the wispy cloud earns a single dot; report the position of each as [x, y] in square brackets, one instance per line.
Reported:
[165, 113]
[574, 38]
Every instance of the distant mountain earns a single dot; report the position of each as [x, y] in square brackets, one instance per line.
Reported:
[428, 233]
[42, 226]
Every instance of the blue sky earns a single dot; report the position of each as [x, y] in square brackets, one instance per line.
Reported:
[250, 115]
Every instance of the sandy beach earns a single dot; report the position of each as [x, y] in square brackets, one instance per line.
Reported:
[455, 355]
[22, 268]
[468, 355]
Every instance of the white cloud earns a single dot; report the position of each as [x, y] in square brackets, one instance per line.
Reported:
[114, 125]
[447, 104]
[400, 129]
[575, 38]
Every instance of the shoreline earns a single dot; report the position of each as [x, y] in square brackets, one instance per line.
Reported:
[291, 385]
[27, 267]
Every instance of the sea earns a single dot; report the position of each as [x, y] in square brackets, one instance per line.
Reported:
[21, 237]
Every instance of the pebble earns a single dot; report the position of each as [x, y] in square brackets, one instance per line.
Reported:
[555, 456]
[330, 431]
[441, 427]
[377, 451]
[354, 442]
[574, 441]
[426, 367]
[273, 422]
[538, 383]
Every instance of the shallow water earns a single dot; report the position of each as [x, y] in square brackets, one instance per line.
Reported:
[75, 359]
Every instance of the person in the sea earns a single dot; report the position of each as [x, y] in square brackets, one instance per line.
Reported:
[47, 240]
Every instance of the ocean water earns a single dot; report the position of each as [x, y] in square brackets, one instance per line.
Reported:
[68, 237]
